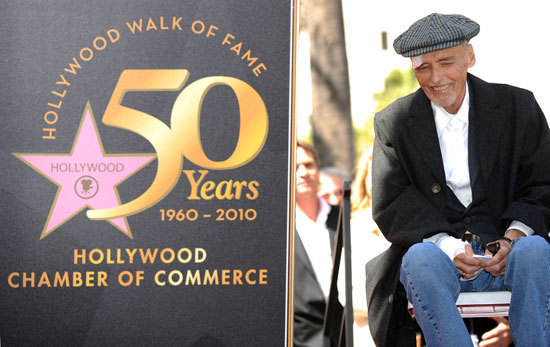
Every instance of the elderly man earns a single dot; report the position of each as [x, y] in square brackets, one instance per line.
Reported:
[459, 164]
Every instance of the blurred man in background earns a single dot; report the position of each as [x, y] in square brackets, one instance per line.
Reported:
[316, 223]
[332, 185]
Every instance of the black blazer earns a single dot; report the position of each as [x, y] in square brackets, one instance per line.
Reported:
[309, 301]
[512, 142]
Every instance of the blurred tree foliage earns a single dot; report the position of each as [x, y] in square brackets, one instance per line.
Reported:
[397, 84]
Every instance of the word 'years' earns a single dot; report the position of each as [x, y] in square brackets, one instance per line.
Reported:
[223, 190]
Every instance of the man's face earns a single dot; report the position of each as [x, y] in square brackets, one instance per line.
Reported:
[331, 189]
[307, 173]
[442, 75]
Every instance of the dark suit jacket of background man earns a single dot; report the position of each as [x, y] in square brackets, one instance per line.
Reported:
[512, 144]
[309, 300]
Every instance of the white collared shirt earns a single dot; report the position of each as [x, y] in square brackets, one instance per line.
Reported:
[315, 237]
[452, 132]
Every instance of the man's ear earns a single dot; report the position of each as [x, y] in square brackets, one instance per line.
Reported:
[471, 56]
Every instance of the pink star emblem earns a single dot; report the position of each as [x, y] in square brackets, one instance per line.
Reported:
[87, 177]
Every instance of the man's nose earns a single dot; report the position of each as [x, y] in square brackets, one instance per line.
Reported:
[334, 200]
[436, 76]
[301, 170]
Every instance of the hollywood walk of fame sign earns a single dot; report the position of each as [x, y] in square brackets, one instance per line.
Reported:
[146, 187]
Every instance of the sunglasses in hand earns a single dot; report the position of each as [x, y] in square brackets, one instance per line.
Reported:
[493, 247]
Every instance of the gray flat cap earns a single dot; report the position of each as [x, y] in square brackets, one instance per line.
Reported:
[435, 32]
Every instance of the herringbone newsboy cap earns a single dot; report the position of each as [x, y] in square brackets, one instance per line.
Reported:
[434, 32]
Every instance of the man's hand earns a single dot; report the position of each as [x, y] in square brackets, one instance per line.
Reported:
[496, 266]
[466, 264]
[499, 336]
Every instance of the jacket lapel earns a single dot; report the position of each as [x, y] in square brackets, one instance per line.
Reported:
[488, 124]
[301, 254]
[423, 134]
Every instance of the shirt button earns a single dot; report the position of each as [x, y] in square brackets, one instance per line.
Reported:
[390, 299]
[436, 188]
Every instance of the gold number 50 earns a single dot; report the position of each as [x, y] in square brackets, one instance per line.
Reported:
[183, 138]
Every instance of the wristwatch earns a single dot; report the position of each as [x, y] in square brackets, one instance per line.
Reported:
[510, 241]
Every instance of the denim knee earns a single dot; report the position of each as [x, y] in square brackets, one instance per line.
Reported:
[533, 250]
[423, 258]
[528, 260]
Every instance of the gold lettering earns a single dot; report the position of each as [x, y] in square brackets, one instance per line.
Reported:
[176, 23]
[251, 61]
[201, 27]
[28, 279]
[47, 118]
[179, 276]
[102, 279]
[123, 282]
[226, 41]
[211, 32]
[81, 256]
[253, 187]
[194, 183]
[131, 253]
[208, 186]
[61, 281]
[225, 277]
[97, 46]
[77, 279]
[162, 26]
[211, 278]
[248, 280]
[135, 26]
[237, 275]
[257, 69]
[189, 255]
[171, 255]
[148, 256]
[44, 280]
[73, 66]
[157, 280]
[151, 25]
[227, 194]
[93, 252]
[89, 56]
[51, 136]
[59, 94]
[239, 188]
[113, 35]
[54, 105]
[263, 276]
[193, 278]
[200, 255]
[89, 278]
[11, 281]
[63, 80]
[237, 48]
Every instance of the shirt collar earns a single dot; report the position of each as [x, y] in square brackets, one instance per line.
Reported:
[322, 214]
[442, 117]
[324, 210]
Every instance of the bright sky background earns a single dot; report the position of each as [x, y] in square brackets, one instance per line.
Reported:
[512, 46]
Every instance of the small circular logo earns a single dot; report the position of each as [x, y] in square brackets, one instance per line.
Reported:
[86, 187]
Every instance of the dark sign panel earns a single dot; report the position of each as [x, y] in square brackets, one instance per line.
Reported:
[145, 192]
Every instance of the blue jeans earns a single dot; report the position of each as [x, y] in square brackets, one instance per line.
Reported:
[432, 284]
